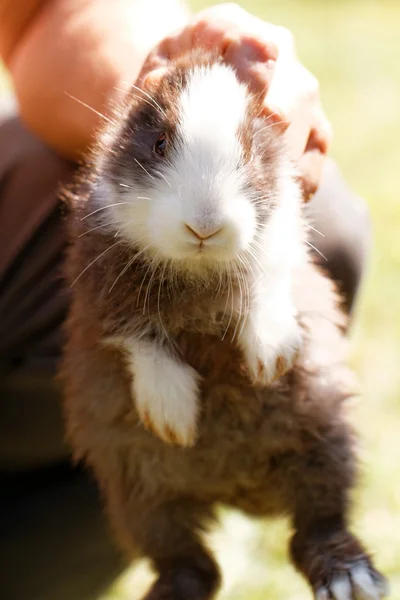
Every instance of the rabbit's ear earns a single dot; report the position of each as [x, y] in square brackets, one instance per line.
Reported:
[153, 77]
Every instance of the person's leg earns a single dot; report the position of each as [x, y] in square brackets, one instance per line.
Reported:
[55, 543]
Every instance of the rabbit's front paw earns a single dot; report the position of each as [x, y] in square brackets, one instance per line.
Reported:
[167, 402]
[267, 356]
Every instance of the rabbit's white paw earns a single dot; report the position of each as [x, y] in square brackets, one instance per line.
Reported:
[269, 352]
[166, 397]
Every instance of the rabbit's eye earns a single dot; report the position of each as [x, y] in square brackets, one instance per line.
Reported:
[161, 145]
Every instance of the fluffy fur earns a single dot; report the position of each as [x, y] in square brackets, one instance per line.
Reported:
[192, 294]
[197, 212]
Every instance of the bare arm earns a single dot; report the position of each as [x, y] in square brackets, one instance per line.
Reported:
[84, 47]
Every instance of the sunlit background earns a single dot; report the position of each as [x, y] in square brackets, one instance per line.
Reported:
[353, 47]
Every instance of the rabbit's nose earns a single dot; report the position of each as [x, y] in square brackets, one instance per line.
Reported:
[203, 233]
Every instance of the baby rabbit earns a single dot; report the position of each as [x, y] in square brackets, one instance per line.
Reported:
[205, 355]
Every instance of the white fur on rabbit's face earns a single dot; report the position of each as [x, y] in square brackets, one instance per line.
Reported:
[195, 208]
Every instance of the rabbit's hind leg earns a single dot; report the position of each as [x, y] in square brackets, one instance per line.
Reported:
[171, 536]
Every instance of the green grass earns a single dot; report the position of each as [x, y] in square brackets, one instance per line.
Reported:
[354, 49]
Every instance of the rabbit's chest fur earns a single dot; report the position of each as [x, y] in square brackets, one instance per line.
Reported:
[245, 432]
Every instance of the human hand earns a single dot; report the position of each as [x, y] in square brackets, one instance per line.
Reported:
[264, 57]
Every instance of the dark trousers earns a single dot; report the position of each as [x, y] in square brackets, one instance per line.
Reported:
[54, 541]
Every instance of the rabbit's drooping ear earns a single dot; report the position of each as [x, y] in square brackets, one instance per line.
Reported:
[152, 78]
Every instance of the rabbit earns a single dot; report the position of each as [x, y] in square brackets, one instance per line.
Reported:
[205, 361]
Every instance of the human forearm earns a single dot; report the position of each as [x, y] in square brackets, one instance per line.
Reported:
[85, 48]
[14, 23]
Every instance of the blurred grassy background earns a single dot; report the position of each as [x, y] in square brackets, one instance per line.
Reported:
[354, 49]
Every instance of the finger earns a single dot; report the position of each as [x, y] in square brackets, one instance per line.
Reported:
[211, 24]
[321, 133]
[253, 60]
[310, 169]
[245, 42]
[294, 95]
[207, 31]
[312, 162]
[159, 57]
[242, 40]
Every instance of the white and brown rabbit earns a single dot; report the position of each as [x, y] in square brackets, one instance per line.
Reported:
[205, 354]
